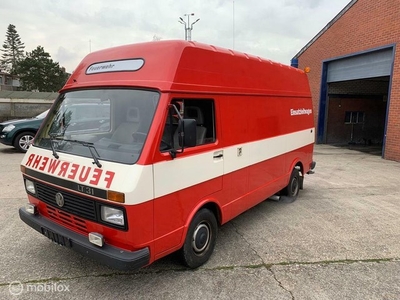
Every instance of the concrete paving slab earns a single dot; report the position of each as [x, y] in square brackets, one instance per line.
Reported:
[363, 280]
[235, 283]
[335, 242]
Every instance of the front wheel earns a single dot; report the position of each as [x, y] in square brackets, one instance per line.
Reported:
[200, 239]
[23, 141]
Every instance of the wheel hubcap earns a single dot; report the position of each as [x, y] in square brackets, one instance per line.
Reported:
[25, 141]
[201, 238]
[295, 186]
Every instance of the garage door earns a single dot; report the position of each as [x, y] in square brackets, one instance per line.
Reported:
[369, 65]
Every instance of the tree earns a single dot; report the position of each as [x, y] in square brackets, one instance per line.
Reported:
[13, 50]
[38, 72]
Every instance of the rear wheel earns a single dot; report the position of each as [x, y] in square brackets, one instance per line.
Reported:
[293, 188]
[200, 239]
[23, 141]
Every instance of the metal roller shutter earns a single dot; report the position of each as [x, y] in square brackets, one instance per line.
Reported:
[369, 65]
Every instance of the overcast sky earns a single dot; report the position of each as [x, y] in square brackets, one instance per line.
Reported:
[70, 29]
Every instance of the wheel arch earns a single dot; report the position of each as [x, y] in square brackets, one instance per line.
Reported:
[215, 209]
[297, 164]
[22, 130]
[210, 204]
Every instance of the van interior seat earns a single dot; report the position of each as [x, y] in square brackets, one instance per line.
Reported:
[193, 112]
[125, 130]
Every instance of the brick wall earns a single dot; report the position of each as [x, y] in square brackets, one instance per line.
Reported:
[366, 25]
[359, 87]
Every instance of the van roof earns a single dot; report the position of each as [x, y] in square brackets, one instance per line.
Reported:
[186, 66]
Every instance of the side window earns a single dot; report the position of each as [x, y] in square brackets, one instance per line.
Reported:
[354, 117]
[202, 110]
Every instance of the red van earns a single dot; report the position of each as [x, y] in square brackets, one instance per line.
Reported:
[189, 136]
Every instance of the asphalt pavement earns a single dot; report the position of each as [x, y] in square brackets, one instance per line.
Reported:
[338, 240]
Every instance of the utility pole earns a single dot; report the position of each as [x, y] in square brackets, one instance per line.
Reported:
[233, 25]
[188, 26]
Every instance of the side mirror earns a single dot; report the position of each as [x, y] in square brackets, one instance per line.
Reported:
[187, 132]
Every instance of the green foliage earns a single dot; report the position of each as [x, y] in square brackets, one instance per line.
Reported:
[13, 50]
[38, 72]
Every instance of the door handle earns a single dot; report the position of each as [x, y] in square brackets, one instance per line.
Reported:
[218, 154]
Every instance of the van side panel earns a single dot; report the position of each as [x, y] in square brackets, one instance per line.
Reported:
[268, 138]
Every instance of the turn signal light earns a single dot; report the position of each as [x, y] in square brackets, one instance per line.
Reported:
[116, 196]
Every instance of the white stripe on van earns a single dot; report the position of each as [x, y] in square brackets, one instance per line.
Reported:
[180, 173]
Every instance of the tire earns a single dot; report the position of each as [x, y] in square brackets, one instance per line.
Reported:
[200, 239]
[23, 141]
[293, 188]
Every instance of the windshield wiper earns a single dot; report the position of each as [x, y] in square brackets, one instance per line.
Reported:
[53, 149]
[92, 150]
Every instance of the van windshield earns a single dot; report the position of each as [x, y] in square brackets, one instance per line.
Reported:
[104, 124]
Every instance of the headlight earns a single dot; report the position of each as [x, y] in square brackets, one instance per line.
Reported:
[8, 128]
[112, 215]
[30, 186]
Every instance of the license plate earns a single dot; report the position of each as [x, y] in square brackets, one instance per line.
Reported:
[56, 238]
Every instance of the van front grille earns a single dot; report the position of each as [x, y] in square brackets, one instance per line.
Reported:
[77, 205]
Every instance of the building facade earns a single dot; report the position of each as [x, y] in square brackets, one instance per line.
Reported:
[355, 76]
[8, 82]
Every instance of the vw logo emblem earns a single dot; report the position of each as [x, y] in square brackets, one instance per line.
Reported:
[60, 199]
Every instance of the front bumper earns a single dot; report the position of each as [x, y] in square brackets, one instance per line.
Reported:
[113, 257]
[4, 139]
